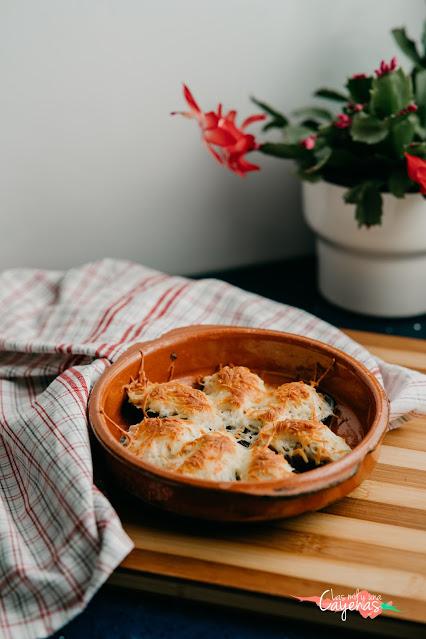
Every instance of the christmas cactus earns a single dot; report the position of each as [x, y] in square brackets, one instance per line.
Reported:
[375, 143]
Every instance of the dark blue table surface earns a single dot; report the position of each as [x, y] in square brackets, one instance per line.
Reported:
[121, 614]
[294, 282]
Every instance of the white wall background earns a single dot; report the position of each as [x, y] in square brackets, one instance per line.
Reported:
[92, 165]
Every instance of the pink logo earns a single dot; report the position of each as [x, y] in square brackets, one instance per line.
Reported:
[362, 601]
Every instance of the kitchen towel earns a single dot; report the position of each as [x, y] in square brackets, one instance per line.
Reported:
[60, 538]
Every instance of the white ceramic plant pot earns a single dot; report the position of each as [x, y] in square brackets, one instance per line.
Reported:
[378, 271]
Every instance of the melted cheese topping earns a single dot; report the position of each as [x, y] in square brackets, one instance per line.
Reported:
[173, 399]
[236, 428]
[159, 440]
[311, 440]
[263, 463]
[213, 455]
[234, 387]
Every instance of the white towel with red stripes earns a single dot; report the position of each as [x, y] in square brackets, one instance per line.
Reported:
[60, 538]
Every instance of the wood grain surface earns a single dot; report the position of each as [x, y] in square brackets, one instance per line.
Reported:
[375, 538]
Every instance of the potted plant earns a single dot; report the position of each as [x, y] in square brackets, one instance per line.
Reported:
[364, 174]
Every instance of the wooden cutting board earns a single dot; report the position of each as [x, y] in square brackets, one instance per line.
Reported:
[374, 539]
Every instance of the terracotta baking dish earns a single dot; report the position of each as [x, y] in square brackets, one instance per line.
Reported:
[189, 352]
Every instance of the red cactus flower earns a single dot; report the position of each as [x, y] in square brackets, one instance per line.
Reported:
[416, 169]
[343, 121]
[309, 142]
[359, 76]
[386, 68]
[227, 142]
